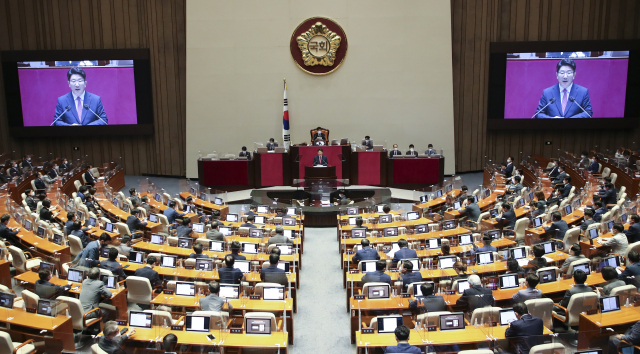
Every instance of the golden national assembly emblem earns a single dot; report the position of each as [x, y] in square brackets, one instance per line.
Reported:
[318, 46]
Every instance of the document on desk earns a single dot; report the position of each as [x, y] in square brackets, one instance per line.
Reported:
[548, 259]
[319, 166]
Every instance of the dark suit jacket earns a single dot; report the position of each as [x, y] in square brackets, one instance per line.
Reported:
[608, 196]
[472, 302]
[567, 190]
[147, 272]
[523, 328]
[71, 116]
[581, 95]
[135, 224]
[272, 146]
[553, 172]
[593, 168]
[31, 204]
[26, 164]
[368, 143]
[377, 277]
[365, 254]
[320, 160]
[430, 303]
[633, 270]
[230, 275]
[395, 152]
[633, 233]
[577, 289]
[112, 346]
[8, 235]
[472, 211]
[53, 173]
[245, 153]
[14, 171]
[410, 153]
[508, 219]
[237, 257]
[559, 227]
[509, 170]
[39, 184]
[45, 214]
[184, 231]
[404, 253]
[597, 216]
[272, 268]
[409, 278]
[89, 177]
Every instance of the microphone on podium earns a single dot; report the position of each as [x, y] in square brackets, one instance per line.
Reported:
[86, 106]
[552, 100]
[576, 102]
[63, 112]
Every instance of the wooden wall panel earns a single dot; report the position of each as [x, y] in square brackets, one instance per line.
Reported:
[108, 24]
[477, 23]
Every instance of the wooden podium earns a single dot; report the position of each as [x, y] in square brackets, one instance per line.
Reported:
[311, 172]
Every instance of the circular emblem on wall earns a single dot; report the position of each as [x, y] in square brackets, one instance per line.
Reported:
[318, 46]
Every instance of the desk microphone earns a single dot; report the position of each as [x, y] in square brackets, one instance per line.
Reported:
[86, 106]
[60, 116]
[574, 101]
[552, 100]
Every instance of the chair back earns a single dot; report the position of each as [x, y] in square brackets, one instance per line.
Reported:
[30, 299]
[19, 260]
[276, 278]
[139, 290]
[160, 318]
[625, 292]
[605, 172]
[541, 308]
[579, 303]
[218, 318]
[75, 310]
[547, 268]
[95, 349]
[551, 348]
[431, 318]
[6, 344]
[258, 290]
[570, 237]
[485, 315]
[614, 177]
[75, 245]
[576, 263]
[78, 184]
[123, 229]
[632, 247]
[521, 226]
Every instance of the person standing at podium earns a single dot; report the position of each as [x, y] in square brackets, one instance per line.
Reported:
[320, 159]
[272, 145]
[412, 151]
[395, 151]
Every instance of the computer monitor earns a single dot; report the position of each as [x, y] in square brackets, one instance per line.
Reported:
[380, 208]
[368, 266]
[198, 227]
[225, 230]
[185, 288]
[157, 197]
[447, 262]
[465, 239]
[493, 212]
[110, 281]
[509, 281]
[417, 291]
[168, 261]
[115, 202]
[495, 234]
[290, 234]
[135, 257]
[593, 233]
[462, 286]
[507, 316]
[609, 225]
[623, 218]
[292, 211]
[390, 231]
[537, 222]
[609, 303]
[47, 265]
[104, 252]
[286, 266]
[352, 220]
[258, 325]
[6, 300]
[547, 276]
[422, 228]
[153, 218]
[185, 242]
[157, 239]
[75, 275]
[530, 196]
[58, 239]
[424, 198]
[242, 265]
[232, 217]
[218, 201]
[568, 210]
[388, 324]
[413, 215]
[204, 264]
[439, 193]
[108, 227]
[486, 193]
[216, 246]
[518, 252]
[520, 203]
[196, 323]
[250, 248]
[358, 232]
[285, 249]
[583, 267]
[80, 214]
[594, 351]
[549, 246]
[379, 291]
[273, 293]
[140, 319]
[434, 243]
[449, 225]
[258, 220]
[91, 221]
[27, 224]
[353, 211]
[203, 196]
[385, 219]
[456, 205]
[452, 321]
[448, 188]
[192, 191]
[289, 221]
[229, 291]
[414, 261]
[125, 207]
[263, 209]
[256, 233]
[475, 198]
[47, 307]
[612, 261]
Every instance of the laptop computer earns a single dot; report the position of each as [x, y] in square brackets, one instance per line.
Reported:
[380, 208]
[417, 291]
[292, 211]
[108, 227]
[225, 230]
[135, 257]
[263, 209]
[358, 232]
[385, 219]
[289, 221]
[353, 211]
[352, 220]
[258, 220]
[232, 217]
[583, 267]
[198, 227]
[434, 243]
[6, 300]
[110, 281]
[447, 262]
[168, 261]
[465, 239]
[549, 246]
[47, 307]
[251, 248]
[449, 225]
[285, 249]
[216, 246]
[256, 233]
[286, 266]
[414, 261]
[75, 275]
[258, 325]
[413, 215]
[157, 239]
[368, 266]
[547, 276]
[484, 258]
[462, 286]
[390, 231]
[153, 218]
[422, 229]
[218, 201]
[242, 265]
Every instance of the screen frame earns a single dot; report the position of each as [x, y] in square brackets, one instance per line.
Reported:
[143, 90]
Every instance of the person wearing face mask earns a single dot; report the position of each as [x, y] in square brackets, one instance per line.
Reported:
[584, 160]
[111, 341]
[79, 107]
[430, 151]
[64, 165]
[508, 171]
[14, 170]
[412, 151]
[595, 166]
[31, 203]
[395, 151]
[39, 182]
[26, 162]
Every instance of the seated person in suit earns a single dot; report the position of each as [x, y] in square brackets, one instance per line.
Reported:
[378, 275]
[579, 278]
[632, 271]
[197, 251]
[430, 150]
[408, 276]
[136, 225]
[395, 151]
[486, 247]
[508, 218]
[530, 292]
[82, 191]
[111, 341]
[404, 252]
[618, 242]
[45, 213]
[608, 195]
[112, 264]
[229, 274]
[448, 204]
[575, 254]
[516, 189]
[91, 206]
[320, 159]
[472, 211]
[402, 337]
[91, 181]
[249, 223]
[14, 170]
[213, 302]
[144, 203]
[342, 198]
[184, 230]
[428, 302]
[476, 296]
[629, 161]
[26, 162]
[93, 292]
[366, 253]
[245, 153]
[279, 237]
[513, 267]
[588, 219]
[559, 179]
[580, 107]
[412, 151]
[39, 182]
[6, 233]
[554, 170]
[538, 261]
[600, 211]
[125, 246]
[31, 203]
[558, 226]
[567, 187]
[45, 275]
[272, 145]
[610, 275]
[631, 336]
[526, 330]
[538, 208]
[462, 197]
[274, 258]
[367, 142]
[252, 210]
[148, 272]
[171, 213]
[235, 251]
[214, 234]
[134, 196]
[319, 134]
[633, 233]
[79, 232]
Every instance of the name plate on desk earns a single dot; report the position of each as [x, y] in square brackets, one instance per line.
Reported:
[450, 292]
[406, 295]
[121, 322]
[367, 331]
[177, 327]
[235, 330]
[358, 297]
[188, 267]
[62, 277]
[168, 292]
[31, 310]
[254, 297]
[432, 328]
[592, 312]
[345, 237]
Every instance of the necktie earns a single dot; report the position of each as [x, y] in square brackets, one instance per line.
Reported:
[564, 100]
[79, 108]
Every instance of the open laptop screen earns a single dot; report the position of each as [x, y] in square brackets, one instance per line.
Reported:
[378, 292]
[140, 319]
[6, 300]
[463, 285]
[273, 293]
[608, 304]
[390, 231]
[251, 248]
[197, 323]
[199, 228]
[549, 247]
[46, 307]
[447, 262]
[216, 246]
[263, 209]
[434, 243]
[75, 275]
[509, 281]
[358, 233]
[229, 291]
[484, 258]
[185, 242]
[242, 265]
[452, 321]
[413, 215]
[232, 217]
[204, 264]
[507, 316]
[547, 276]
[258, 325]
[168, 261]
[388, 324]
[385, 219]
[185, 288]
[258, 220]
[352, 211]
[466, 239]
[135, 257]
[157, 239]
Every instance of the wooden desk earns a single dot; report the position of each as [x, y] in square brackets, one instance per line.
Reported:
[594, 329]
[313, 172]
[118, 214]
[205, 205]
[22, 325]
[436, 203]
[5, 273]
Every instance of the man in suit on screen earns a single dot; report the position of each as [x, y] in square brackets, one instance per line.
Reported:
[567, 96]
[79, 107]
[320, 159]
